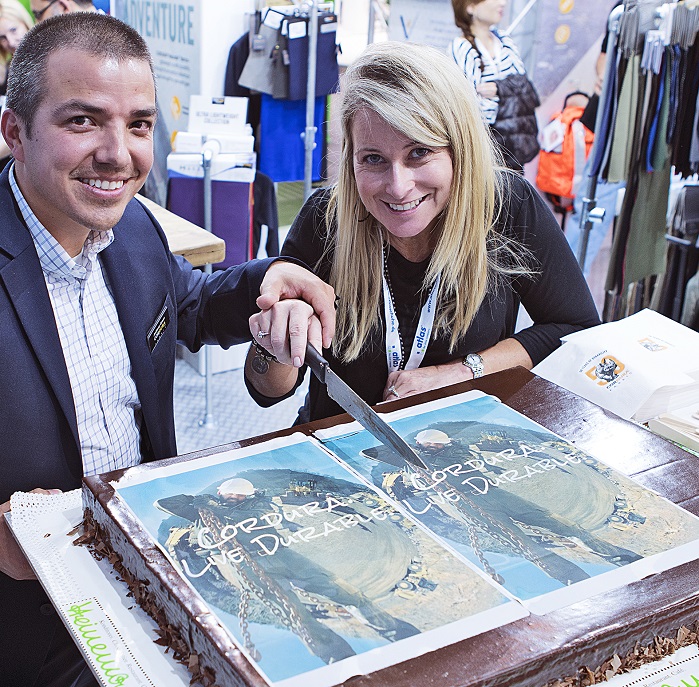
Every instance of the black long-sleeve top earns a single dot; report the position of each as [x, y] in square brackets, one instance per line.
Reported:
[556, 298]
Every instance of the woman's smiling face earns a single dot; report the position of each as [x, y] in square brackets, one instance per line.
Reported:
[405, 185]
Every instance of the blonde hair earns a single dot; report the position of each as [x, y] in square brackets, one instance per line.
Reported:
[424, 96]
[14, 11]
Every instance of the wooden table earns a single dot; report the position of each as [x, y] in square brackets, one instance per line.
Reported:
[197, 245]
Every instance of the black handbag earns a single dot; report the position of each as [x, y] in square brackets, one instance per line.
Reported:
[589, 115]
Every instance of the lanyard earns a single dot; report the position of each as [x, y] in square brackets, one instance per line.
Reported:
[394, 342]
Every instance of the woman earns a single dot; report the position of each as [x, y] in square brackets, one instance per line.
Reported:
[15, 21]
[429, 244]
[491, 62]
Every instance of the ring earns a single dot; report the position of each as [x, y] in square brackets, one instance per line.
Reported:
[392, 390]
[261, 334]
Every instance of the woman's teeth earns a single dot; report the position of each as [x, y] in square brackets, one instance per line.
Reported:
[406, 206]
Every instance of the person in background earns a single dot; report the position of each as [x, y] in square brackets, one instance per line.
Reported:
[15, 21]
[490, 60]
[93, 303]
[43, 9]
[430, 244]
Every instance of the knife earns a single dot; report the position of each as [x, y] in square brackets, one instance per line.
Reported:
[342, 394]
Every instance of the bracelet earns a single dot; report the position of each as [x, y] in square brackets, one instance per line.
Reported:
[260, 363]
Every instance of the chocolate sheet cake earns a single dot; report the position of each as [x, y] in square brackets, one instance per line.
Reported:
[577, 645]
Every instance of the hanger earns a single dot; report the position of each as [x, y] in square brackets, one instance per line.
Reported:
[677, 21]
[285, 12]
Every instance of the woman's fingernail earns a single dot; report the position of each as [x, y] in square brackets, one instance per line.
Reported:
[297, 362]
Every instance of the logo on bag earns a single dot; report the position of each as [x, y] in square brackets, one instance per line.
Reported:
[652, 344]
[607, 370]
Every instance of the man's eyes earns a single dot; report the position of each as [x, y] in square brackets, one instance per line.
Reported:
[144, 125]
[139, 125]
[80, 120]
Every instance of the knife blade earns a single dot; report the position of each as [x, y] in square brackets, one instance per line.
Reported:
[348, 399]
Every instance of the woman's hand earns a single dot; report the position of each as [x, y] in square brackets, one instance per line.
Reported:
[285, 328]
[502, 356]
[286, 280]
[487, 90]
[409, 382]
[12, 560]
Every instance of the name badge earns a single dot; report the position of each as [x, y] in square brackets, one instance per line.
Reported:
[159, 327]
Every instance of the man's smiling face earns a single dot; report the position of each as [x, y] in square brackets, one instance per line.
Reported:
[91, 143]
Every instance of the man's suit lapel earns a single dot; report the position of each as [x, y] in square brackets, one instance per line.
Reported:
[129, 289]
[20, 272]
[26, 289]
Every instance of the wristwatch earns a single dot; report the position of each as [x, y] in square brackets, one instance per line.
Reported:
[475, 363]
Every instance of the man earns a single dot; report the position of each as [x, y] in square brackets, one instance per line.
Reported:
[44, 9]
[92, 302]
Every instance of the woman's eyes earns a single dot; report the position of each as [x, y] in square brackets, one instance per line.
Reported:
[417, 153]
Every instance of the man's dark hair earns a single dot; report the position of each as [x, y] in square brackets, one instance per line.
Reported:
[97, 34]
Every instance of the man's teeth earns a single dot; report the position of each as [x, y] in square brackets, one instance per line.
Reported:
[108, 185]
[407, 206]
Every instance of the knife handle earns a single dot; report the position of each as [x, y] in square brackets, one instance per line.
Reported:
[316, 362]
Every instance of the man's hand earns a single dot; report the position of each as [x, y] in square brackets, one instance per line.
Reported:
[285, 280]
[12, 560]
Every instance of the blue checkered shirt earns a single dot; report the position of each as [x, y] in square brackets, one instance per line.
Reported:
[104, 393]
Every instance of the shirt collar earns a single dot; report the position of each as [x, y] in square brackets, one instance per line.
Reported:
[52, 256]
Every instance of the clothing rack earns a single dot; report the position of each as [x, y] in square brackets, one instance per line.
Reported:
[309, 9]
[310, 132]
[643, 130]
[590, 213]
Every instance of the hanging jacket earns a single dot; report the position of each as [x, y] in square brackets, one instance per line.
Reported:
[565, 145]
[515, 127]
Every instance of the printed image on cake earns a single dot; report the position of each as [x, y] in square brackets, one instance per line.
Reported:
[276, 564]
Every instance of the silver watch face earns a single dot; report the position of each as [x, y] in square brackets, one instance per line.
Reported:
[475, 362]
